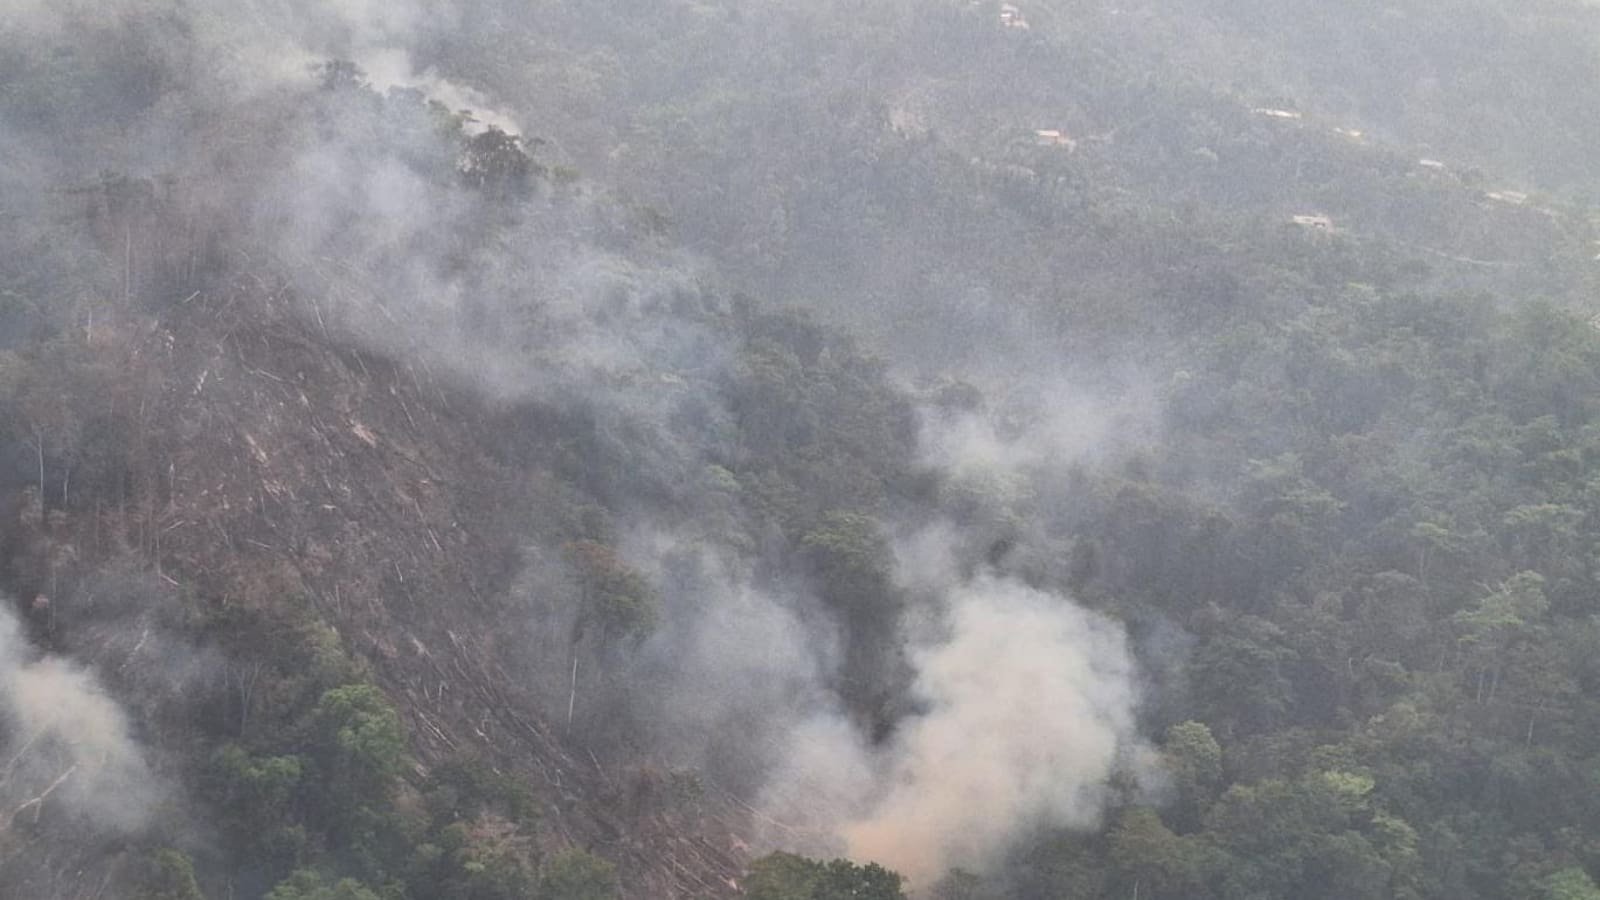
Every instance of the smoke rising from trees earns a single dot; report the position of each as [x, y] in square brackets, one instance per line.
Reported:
[1021, 705]
[1025, 710]
[1090, 390]
[63, 739]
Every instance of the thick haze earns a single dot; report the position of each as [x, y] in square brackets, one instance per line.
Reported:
[1036, 303]
[1025, 703]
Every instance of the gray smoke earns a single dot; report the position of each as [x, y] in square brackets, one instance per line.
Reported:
[1025, 701]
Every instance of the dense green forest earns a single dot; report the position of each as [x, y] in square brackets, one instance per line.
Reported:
[709, 448]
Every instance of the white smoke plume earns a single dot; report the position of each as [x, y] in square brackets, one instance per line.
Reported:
[379, 36]
[1026, 702]
[1038, 417]
[64, 742]
[1030, 709]
[257, 44]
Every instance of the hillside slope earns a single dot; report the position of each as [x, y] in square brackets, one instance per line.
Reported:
[1052, 462]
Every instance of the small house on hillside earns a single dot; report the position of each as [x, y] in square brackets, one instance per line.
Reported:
[1053, 137]
[1511, 198]
[1011, 16]
[1314, 222]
